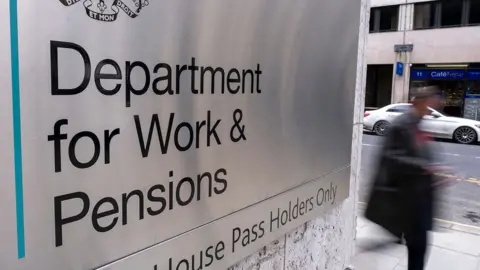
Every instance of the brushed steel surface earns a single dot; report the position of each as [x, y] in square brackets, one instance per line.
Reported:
[234, 237]
[297, 129]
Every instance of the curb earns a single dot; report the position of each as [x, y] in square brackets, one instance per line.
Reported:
[457, 227]
[439, 223]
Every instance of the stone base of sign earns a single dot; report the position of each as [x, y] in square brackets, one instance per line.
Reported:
[326, 242]
[319, 243]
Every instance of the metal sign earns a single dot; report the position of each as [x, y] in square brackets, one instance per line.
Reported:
[473, 74]
[472, 107]
[403, 47]
[158, 134]
[399, 69]
[437, 74]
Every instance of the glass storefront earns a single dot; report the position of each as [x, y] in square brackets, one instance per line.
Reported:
[460, 88]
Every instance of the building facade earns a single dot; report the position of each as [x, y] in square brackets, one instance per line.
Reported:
[442, 41]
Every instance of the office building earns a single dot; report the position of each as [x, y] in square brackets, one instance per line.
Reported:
[417, 42]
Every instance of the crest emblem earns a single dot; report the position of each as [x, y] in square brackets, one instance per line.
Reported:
[108, 10]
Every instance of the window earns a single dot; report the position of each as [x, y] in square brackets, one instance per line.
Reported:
[446, 13]
[424, 15]
[389, 19]
[451, 13]
[384, 19]
[474, 12]
[473, 87]
[399, 108]
[434, 113]
[372, 20]
[378, 87]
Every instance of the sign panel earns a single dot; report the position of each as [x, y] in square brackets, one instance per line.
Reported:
[139, 126]
[419, 74]
[8, 227]
[399, 69]
[473, 74]
[235, 237]
[471, 108]
[403, 48]
[437, 74]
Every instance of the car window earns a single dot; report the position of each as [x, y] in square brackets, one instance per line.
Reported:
[435, 113]
[399, 108]
[442, 113]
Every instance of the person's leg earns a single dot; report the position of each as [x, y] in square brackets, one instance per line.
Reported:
[417, 244]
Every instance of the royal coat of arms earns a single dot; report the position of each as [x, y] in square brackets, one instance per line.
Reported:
[108, 10]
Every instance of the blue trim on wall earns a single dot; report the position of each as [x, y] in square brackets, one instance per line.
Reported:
[17, 130]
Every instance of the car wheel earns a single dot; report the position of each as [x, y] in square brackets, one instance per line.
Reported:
[465, 135]
[381, 128]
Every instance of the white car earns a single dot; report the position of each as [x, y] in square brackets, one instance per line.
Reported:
[461, 130]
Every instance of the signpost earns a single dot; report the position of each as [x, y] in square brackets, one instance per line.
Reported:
[169, 134]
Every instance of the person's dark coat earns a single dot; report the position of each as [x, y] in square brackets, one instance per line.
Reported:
[402, 192]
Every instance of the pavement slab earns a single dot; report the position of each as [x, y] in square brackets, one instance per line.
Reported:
[449, 250]
[443, 259]
[457, 241]
[375, 261]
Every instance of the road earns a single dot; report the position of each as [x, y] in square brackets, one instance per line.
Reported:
[459, 203]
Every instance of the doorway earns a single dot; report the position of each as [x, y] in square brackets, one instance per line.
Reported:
[378, 89]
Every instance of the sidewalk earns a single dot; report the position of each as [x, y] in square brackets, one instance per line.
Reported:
[450, 249]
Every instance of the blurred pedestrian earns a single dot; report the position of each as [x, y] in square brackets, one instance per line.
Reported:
[402, 196]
